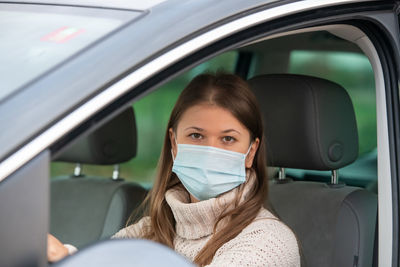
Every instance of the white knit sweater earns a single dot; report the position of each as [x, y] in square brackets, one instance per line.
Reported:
[265, 242]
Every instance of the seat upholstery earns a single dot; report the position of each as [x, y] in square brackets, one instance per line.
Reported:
[86, 209]
[310, 124]
[112, 143]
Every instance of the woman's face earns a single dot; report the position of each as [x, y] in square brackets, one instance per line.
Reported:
[210, 125]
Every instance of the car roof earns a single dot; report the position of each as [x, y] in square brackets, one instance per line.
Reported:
[119, 4]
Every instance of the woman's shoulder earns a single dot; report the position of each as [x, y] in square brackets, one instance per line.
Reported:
[135, 230]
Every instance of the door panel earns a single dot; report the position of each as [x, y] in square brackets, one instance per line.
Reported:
[24, 208]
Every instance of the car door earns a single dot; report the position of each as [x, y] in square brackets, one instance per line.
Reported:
[29, 154]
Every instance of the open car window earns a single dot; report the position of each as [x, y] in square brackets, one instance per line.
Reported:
[324, 55]
[152, 112]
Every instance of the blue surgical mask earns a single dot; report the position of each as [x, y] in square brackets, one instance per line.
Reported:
[207, 171]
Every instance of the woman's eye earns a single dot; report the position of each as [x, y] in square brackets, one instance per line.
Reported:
[228, 139]
[195, 136]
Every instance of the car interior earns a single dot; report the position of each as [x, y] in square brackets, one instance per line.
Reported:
[320, 126]
[109, 202]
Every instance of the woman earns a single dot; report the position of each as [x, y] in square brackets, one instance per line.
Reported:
[207, 200]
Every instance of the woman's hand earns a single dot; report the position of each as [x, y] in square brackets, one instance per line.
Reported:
[55, 249]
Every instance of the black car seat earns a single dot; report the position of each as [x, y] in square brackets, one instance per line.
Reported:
[310, 124]
[88, 208]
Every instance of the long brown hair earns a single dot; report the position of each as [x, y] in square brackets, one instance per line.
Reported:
[232, 93]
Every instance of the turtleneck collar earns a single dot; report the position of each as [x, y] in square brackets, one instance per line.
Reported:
[197, 220]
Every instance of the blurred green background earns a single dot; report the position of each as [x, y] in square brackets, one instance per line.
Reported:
[351, 70]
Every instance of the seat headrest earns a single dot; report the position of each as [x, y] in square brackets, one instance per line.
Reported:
[112, 143]
[309, 122]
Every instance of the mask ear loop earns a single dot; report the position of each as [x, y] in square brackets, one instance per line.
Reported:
[247, 153]
[248, 150]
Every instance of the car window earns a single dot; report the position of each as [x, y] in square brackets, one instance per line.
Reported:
[152, 114]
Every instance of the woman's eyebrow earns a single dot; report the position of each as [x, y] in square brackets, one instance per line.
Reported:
[230, 130]
[194, 128]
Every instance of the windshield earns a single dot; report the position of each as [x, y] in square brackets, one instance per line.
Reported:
[36, 38]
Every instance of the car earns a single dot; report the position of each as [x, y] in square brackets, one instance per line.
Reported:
[72, 71]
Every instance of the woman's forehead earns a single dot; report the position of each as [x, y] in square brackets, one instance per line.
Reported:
[210, 118]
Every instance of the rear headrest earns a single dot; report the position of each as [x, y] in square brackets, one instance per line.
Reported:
[309, 122]
[112, 143]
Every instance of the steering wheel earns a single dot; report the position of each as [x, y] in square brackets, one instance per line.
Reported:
[125, 253]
